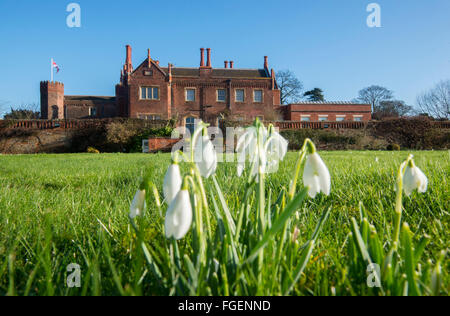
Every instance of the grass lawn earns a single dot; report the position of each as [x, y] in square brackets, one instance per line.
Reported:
[61, 209]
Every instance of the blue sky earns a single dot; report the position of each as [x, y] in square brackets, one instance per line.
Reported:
[325, 42]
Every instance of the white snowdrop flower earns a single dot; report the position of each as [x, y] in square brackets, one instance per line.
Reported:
[264, 149]
[138, 205]
[316, 176]
[414, 179]
[172, 182]
[206, 157]
[179, 216]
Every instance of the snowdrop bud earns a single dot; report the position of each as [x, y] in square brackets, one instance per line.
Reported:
[138, 205]
[179, 216]
[172, 182]
[413, 179]
[206, 157]
[316, 176]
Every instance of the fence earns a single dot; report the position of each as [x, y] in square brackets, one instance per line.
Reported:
[282, 125]
[75, 124]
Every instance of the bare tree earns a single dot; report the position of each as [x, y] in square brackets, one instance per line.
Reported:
[23, 112]
[391, 108]
[290, 87]
[436, 102]
[373, 95]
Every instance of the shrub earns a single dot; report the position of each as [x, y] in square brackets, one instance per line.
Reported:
[393, 147]
[92, 150]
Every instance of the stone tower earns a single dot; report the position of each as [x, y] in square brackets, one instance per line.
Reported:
[52, 100]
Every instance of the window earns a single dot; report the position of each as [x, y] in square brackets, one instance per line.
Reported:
[149, 93]
[306, 119]
[323, 118]
[340, 118]
[190, 95]
[221, 95]
[357, 118]
[149, 117]
[190, 124]
[92, 112]
[258, 96]
[240, 95]
[145, 148]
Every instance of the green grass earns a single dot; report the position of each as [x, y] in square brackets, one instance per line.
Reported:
[62, 209]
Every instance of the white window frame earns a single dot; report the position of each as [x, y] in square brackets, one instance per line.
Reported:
[342, 117]
[359, 117]
[235, 96]
[321, 117]
[147, 89]
[92, 111]
[186, 94]
[262, 96]
[302, 117]
[150, 116]
[217, 95]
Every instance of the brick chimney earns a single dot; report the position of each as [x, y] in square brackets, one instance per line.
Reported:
[208, 62]
[128, 64]
[226, 64]
[149, 59]
[266, 63]
[273, 79]
[202, 57]
[231, 64]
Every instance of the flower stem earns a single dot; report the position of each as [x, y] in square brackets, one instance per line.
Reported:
[307, 145]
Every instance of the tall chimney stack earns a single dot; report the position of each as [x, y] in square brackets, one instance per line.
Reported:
[231, 64]
[149, 58]
[226, 64]
[266, 62]
[128, 63]
[208, 62]
[202, 57]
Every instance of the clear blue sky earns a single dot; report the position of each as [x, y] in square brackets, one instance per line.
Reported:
[325, 42]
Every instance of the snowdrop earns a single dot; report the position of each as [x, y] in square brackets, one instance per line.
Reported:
[276, 149]
[316, 175]
[179, 215]
[414, 179]
[206, 157]
[172, 182]
[138, 205]
[265, 148]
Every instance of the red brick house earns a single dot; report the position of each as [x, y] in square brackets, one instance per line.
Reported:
[328, 111]
[153, 92]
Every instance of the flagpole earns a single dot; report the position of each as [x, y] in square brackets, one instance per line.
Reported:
[51, 69]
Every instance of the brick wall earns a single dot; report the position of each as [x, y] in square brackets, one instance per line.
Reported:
[346, 111]
[52, 100]
[163, 144]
